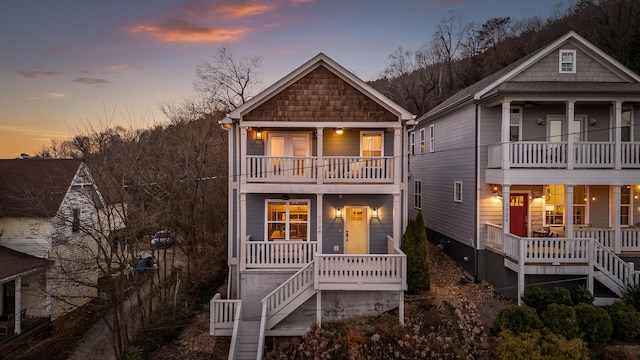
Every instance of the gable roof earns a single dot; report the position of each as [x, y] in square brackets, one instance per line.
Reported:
[326, 62]
[500, 80]
[15, 263]
[35, 187]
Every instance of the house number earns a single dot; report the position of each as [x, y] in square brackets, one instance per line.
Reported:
[517, 201]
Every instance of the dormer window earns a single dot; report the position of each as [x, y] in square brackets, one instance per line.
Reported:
[567, 61]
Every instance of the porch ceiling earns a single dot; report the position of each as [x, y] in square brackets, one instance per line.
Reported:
[561, 176]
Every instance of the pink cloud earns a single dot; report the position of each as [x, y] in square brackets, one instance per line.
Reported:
[35, 73]
[92, 82]
[178, 30]
[233, 11]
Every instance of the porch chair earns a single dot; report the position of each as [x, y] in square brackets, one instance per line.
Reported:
[7, 324]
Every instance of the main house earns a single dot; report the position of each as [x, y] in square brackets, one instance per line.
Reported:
[531, 176]
[317, 206]
[48, 208]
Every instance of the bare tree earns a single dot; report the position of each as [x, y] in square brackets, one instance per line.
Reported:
[227, 81]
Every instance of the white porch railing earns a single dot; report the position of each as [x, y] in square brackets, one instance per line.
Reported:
[333, 169]
[341, 272]
[533, 154]
[495, 237]
[594, 154]
[630, 155]
[279, 254]
[629, 242]
[223, 314]
[283, 294]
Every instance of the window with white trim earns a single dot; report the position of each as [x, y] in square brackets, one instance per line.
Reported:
[423, 140]
[287, 219]
[580, 197]
[432, 138]
[567, 61]
[625, 126]
[417, 194]
[371, 144]
[412, 143]
[457, 191]
[625, 205]
[515, 124]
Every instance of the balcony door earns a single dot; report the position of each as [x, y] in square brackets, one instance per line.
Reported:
[289, 152]
[356, 235]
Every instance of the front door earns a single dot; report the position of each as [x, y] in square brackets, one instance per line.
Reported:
[355, 230]
[518, 209]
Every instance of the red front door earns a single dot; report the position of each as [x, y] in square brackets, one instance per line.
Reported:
[518, 208]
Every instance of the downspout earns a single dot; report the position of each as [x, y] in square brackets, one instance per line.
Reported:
[225, 124]
[477, 210]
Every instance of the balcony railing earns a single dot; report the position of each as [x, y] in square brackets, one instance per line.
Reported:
[334, 169]
[531, 154]
[292, 254]
[630, 237]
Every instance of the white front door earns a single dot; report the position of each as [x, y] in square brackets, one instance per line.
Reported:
[356, 236]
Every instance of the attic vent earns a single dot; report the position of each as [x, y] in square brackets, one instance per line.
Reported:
[567, 61]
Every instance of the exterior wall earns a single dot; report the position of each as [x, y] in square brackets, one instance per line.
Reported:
[379, 228]
[453, 160]
[33, 294]
[343, 304]
[599, 210]
[27, 235]
[587, 69]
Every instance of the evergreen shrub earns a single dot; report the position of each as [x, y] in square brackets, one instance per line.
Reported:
[561, 320]
[414, 245]
[595, 324]
[517, 319]
[625, 319]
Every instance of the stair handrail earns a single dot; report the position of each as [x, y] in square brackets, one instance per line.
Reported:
[263, 329]
[234, 333]
[289, 289]
[625, 274]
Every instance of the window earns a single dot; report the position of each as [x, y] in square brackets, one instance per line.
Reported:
[457, 191]
[567, 61]
[75, 225]
[287, 220]
[417, 194]
[432, 136]
[554, 206]
[625, 205]
[625, 126]
[422, 141]
[515, 124]
[580, 205]
[412, 143]
[371, 144]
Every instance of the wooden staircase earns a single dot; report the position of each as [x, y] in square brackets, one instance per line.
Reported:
[247, 340]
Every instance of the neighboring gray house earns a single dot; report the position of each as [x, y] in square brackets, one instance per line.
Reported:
[47, 209]
[317, 206]
[532, 175]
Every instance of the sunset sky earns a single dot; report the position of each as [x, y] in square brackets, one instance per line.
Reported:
[67, 65]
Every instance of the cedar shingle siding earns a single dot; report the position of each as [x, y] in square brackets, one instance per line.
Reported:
[320, 96]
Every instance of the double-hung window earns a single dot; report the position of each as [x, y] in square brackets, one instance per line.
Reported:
[287, 220]
[625, 126]
[432, 138]
[567, 61]
[580, 196]
[422, 141]
[457, 191]
[412, 143]
[625, 205]
[515, 124]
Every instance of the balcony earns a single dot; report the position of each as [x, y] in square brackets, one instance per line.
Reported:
[594, 155]
[332, 169]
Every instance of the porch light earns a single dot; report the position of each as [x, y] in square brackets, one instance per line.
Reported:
[541, 121]
[339, 131]
[594, 122]
[259, 134]
[374, 212]
[338, 212]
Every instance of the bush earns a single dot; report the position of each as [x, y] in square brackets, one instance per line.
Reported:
[581, 295]
[631, 294]
[536, 298]
[595, 324]
[517, 319]
[625, 319]
[561, 320]
[414, 245]
[534, 345]
[561, 296]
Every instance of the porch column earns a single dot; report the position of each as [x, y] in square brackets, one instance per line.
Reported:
[506, 196]
[505, 137]
[18, 302]
[617, 152]
[242, 167]
[397, 224]
[571, 158]
[319, 207]
[319, 156]
[397, 157]
[568, 211]
[243, 232]
[617, 232]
